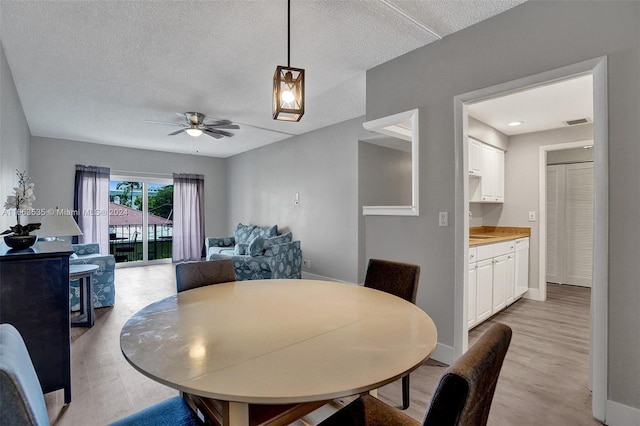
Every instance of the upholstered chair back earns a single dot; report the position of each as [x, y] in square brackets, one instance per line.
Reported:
[399, 279]
[21, 400]
[464, 394]
[197, 274]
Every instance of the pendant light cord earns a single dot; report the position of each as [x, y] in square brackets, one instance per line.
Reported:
[288, 33]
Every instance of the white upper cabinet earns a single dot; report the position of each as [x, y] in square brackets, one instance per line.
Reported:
[487, 184]
[475, 147]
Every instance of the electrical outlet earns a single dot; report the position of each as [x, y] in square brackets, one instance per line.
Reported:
[444, 219]
[306, 263]
[532, 216]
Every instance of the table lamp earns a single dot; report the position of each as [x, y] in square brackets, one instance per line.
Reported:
[56, 225]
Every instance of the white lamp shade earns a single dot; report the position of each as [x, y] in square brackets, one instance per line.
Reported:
[58, 224]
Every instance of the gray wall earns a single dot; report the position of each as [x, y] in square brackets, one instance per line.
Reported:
[322, 166]
[14, 140]
[521, 189]
[531, 38]
[575, 155]
[487, 134]
[53, 161]
[384, 175]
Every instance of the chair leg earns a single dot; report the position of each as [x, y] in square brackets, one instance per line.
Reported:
[405, 392]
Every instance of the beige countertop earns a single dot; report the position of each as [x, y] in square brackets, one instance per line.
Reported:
[481, 235]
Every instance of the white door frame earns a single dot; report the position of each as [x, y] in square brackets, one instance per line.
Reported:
[598, 341]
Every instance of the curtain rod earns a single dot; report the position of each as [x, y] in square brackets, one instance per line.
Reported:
[141, 174]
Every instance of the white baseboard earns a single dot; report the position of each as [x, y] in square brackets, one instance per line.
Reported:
[310, 276]
[443, 353]
[533, 294]
[621, 415]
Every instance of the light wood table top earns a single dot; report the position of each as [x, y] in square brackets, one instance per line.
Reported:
[278, 341]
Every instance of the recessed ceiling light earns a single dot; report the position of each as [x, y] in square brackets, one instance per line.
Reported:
[515, 123]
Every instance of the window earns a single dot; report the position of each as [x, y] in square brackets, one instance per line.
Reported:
[140, 218]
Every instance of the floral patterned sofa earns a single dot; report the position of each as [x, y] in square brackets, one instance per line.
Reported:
[103, 280]
[258, 252]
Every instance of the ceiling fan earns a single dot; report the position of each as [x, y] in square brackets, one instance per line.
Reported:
[195, 125]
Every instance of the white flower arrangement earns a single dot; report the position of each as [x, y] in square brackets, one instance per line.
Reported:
[22, 200]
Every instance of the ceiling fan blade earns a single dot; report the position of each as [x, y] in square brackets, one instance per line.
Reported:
[162, 122]
[183, 116]
[176, 132]
[216, 123]
[219, 132]
[212, 134]
[224, 126]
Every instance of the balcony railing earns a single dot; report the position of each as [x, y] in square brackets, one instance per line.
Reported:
[125, 242]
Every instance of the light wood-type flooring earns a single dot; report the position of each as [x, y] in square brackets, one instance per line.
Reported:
[543, 381]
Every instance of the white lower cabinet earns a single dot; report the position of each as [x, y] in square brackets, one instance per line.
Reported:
[499, 283]
[484, 290]
[498, 276]
[511, 273]
[471, 299]
[521, 267]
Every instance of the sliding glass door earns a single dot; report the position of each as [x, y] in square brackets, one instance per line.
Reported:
[140, 219]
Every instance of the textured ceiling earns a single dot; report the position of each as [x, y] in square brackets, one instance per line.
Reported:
[95, 70]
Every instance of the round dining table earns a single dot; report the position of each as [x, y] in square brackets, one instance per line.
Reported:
[277, 342]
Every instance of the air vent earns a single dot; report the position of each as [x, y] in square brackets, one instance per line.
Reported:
[577, 121]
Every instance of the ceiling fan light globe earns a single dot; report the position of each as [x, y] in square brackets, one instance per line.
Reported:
[195, 132]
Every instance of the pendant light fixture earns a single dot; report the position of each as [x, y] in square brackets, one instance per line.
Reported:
[288, 85]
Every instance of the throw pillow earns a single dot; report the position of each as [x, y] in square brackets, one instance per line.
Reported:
[256, 246]
[242, 233]
[280, 239]
[264, 231]
[240, 249]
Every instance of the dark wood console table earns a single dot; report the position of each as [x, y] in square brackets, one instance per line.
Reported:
[34, 297]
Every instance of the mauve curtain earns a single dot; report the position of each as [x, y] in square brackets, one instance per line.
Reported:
[188, 216]
[91, 204]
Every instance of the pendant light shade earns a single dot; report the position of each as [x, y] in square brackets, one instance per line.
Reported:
[288, 85]
[288, 93]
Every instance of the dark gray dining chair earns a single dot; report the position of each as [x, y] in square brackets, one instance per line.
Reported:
[22, 402]
[197, 274]
[399, 279]
[462, 398]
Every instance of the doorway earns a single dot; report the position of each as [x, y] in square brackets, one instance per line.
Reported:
[569, 204]
[140, 220]
[598, 332]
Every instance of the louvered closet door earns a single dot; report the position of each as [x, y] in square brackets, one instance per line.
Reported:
[570, 224]
[579, 220]
[555, 211]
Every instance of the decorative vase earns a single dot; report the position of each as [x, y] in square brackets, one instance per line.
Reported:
[20, 242]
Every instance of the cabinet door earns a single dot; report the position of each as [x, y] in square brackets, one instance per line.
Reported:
[492, 170]
[510, 288]
[488, 173]
[499, 283]
[474, 157]
[484, 290]
[522, 269]
[471, 297]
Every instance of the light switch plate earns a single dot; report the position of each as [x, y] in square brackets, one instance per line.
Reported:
[532, 216]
